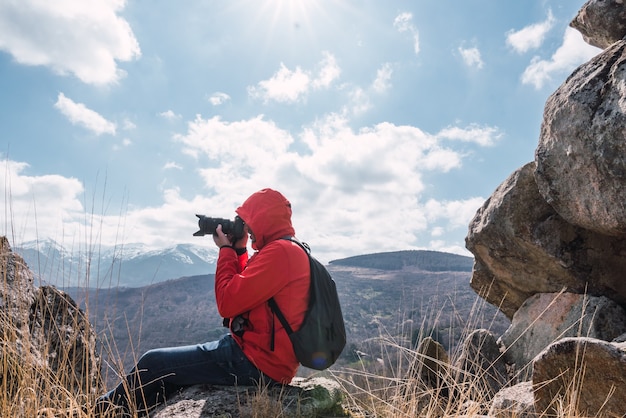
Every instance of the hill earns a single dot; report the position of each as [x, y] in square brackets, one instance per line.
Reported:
[424, 260]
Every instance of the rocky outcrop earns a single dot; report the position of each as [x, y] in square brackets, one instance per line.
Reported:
[45, 336]
[522, 246]
[550, 243]
[303, 398]
[601, 22]
[581, 167]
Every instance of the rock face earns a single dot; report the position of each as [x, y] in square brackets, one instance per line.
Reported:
[44, 332]
[601, 22]
[522, 246]
[581, 167]
[550, 243]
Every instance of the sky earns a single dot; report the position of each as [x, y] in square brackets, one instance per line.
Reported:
[386, 124]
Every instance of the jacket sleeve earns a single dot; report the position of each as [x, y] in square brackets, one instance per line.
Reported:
[265, 274]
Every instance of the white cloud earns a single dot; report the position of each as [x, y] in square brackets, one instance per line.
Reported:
[259, 143]
[79, 114]
[481, 135]
[125, 143]
[530, 37]
[46, 201]
[355, 183]
[170, 115]
[349, 188]
[291, 86]
[78, 37]
[172, 165]
[219, 98]
[128, 125]
[404, 23]
[471, 57]
[359, 102]
[573, 52]
[383, 75]
[284, 86]
[328, 73]
[359, 98]
[456, 213]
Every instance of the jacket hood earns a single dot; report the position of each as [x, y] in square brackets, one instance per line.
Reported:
[268, 214]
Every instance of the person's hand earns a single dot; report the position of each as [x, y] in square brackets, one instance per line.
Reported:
[243, 241]
[220, 238]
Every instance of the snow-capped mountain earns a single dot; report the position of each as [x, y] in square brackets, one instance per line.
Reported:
[130, 265]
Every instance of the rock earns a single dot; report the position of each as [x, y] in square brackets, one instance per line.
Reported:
[601, 22]
[303, 398]
[480, 371]
[522, 247]
[45, 336]
[431, 365]
[548, 317]
[17, 289]
[588, 375]
[514, 402]
[65, 337]
[581, 156]
[550, 245]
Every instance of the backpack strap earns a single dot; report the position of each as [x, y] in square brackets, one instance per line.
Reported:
[272, 303]
[279, 314]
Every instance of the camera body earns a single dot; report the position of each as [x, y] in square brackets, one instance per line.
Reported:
[208, 225]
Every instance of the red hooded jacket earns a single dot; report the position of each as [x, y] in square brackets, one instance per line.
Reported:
[280, 269]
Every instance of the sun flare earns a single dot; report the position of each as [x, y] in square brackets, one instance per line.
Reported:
[295, 13]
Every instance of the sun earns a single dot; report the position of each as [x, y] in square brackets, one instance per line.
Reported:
[297, 13]
[289, 27]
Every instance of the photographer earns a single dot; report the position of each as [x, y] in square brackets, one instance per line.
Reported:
[248, 355]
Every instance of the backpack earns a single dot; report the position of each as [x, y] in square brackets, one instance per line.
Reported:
[322, 335]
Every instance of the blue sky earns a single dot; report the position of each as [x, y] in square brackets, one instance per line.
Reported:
[387, 124]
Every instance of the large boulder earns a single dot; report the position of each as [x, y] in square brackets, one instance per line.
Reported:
[601, 22]
[45, 337]
[547, 317]
[66, 340]
[521, 247]
[583, 374]
[581, 156]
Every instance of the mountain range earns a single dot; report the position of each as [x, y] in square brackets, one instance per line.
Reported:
[128, 265]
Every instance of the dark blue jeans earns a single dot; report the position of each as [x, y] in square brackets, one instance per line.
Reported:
[161, 372]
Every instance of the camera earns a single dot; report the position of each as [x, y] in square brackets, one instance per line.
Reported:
[208, 226]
